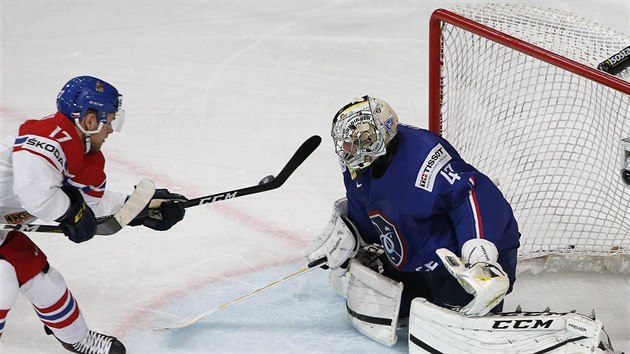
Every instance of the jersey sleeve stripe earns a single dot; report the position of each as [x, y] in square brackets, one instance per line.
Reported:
[92, 191]
[50, 161]
[474, 206]
[47, 148]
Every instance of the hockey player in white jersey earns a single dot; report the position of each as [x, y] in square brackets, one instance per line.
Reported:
[53, 169]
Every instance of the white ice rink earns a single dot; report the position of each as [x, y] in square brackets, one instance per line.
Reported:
[218, 95]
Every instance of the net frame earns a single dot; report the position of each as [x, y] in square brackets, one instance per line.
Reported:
[560, 218]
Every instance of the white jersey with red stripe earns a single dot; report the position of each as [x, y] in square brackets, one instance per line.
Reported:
[427, 198]
[43, 156]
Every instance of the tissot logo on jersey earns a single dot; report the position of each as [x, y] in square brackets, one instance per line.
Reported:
[46, 148]
[437, 158]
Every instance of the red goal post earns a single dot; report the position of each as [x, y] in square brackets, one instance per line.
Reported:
[516, 90]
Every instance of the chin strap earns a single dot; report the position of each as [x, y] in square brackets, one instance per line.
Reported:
[86, 133]
[88, 143]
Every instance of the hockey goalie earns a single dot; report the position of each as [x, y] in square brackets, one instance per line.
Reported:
[424, 237]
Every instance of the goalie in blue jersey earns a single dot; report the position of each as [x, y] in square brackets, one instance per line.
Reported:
[417, 221]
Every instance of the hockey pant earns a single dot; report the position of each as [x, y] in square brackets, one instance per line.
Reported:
[24, 268]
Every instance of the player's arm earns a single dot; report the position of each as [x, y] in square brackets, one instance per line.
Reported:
[37, 183]
[37, 180]
[478, 213]
[164, 210]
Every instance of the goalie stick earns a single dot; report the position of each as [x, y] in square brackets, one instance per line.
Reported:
[194, 319]
[106, 225]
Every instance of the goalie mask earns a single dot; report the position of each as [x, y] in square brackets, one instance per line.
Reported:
[361, 131]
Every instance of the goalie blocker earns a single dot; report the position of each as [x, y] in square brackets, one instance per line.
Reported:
[434, 329]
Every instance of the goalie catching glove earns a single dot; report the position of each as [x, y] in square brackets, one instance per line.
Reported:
[338, 243]
[163, 211]
[481, 275]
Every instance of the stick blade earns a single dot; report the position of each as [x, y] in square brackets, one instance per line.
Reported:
[189, 321]
[301, 154]
[136, 202]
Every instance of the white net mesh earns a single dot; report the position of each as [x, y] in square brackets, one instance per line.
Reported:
[551, 137]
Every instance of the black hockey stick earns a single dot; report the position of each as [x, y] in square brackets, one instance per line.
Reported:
[268, 183]
[105, 225]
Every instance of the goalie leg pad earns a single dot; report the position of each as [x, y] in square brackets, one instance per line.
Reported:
[369, 256]
[339, 284]
[433, 329]
[373, 303]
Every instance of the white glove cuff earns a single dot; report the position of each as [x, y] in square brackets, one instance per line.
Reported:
[479, 250]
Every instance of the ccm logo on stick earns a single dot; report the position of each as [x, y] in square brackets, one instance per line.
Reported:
[218, 197]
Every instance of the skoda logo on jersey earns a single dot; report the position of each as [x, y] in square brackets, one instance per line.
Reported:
[390, 239]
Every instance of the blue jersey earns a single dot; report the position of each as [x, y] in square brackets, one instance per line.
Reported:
[427, 198]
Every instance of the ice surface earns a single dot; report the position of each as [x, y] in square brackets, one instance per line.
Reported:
[218, 95]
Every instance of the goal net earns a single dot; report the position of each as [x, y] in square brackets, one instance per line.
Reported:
[516, 90]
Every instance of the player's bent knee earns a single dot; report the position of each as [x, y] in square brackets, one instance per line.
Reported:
[45, 288]
[8, 285]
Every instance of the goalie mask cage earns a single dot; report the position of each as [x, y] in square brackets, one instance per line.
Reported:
[514, 88]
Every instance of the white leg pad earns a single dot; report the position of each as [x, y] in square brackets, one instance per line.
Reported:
[373, 303]
[339, 284]
[435, 329]
[9, 285]
[60, 312]
[9, 288]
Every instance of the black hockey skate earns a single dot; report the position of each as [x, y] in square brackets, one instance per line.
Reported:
[94, 343]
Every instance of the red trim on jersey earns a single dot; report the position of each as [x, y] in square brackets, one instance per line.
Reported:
[95, 194]
[19, 148]
[475, 208]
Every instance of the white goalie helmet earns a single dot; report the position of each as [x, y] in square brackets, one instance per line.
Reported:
[361, 131]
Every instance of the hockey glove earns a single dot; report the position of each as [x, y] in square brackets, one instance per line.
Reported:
[338, 243]
[79, 222]
[164, 211]
[481, 276]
